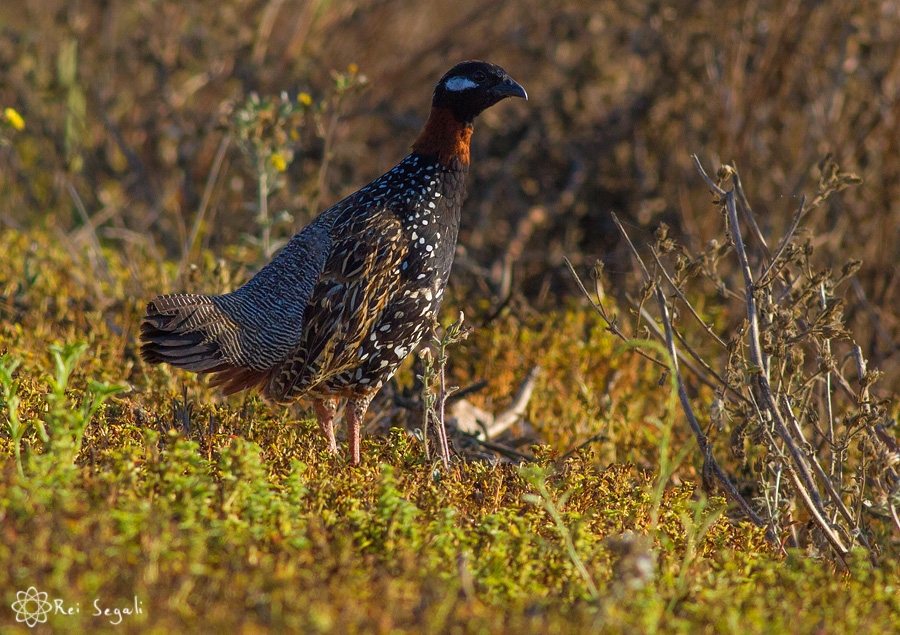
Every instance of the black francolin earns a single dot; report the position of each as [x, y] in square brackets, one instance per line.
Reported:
[352, 294]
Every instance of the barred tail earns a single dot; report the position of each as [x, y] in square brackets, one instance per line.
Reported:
[191, 332]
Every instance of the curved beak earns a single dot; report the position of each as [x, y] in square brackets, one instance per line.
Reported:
[509, 88]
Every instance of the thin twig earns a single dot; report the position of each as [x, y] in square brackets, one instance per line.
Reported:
[600, 436]
[631, 246]
[826, 481]
[798, 470]
[204, 205]
[873, 315]
[795, 222]
[263, 177]
[756, 351]
[690, 307]
[96, 251]
[612, 327]
[829, 411]
[468, 390]
[756, 355]
[894, 516]
[702, 440]
[748, 212]
[499, 448]
[691, 364]
[715, 188]
[709, 460]
[442, 403]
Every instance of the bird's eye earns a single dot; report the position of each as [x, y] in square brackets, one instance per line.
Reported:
[479, 76]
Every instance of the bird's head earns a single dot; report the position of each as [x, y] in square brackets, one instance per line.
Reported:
[469, 88]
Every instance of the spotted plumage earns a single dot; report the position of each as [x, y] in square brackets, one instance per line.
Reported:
[352, 294]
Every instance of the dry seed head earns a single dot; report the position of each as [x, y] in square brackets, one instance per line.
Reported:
[725, 172]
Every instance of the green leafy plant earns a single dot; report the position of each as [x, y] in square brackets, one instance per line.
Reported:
[11, 401]
[537, 477]
[267, 130]
[66, 419]
[435, 390]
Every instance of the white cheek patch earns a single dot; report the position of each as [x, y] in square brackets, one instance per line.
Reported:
[459, 83]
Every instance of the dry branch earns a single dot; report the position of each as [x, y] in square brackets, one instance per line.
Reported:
[709, 461]
[815, 438]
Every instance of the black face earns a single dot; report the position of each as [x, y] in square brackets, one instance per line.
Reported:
[471, 87]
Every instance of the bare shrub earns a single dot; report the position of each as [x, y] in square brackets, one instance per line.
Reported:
[791, 392]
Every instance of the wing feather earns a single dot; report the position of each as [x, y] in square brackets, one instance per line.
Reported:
[355, 285]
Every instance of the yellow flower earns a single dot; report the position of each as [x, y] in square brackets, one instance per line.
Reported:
[14, 118]
[279, 162]
[304, 98]
[353, 68]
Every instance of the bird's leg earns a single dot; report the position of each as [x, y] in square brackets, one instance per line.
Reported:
[325, 410]
[355, 411]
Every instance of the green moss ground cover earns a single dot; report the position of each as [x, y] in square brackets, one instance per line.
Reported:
[229, 516]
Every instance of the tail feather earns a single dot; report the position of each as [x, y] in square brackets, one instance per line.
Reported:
[247, 335]
[192, 332]
[236, 378]
[167, 333]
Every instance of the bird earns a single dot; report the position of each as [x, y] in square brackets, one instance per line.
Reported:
[352, 294]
